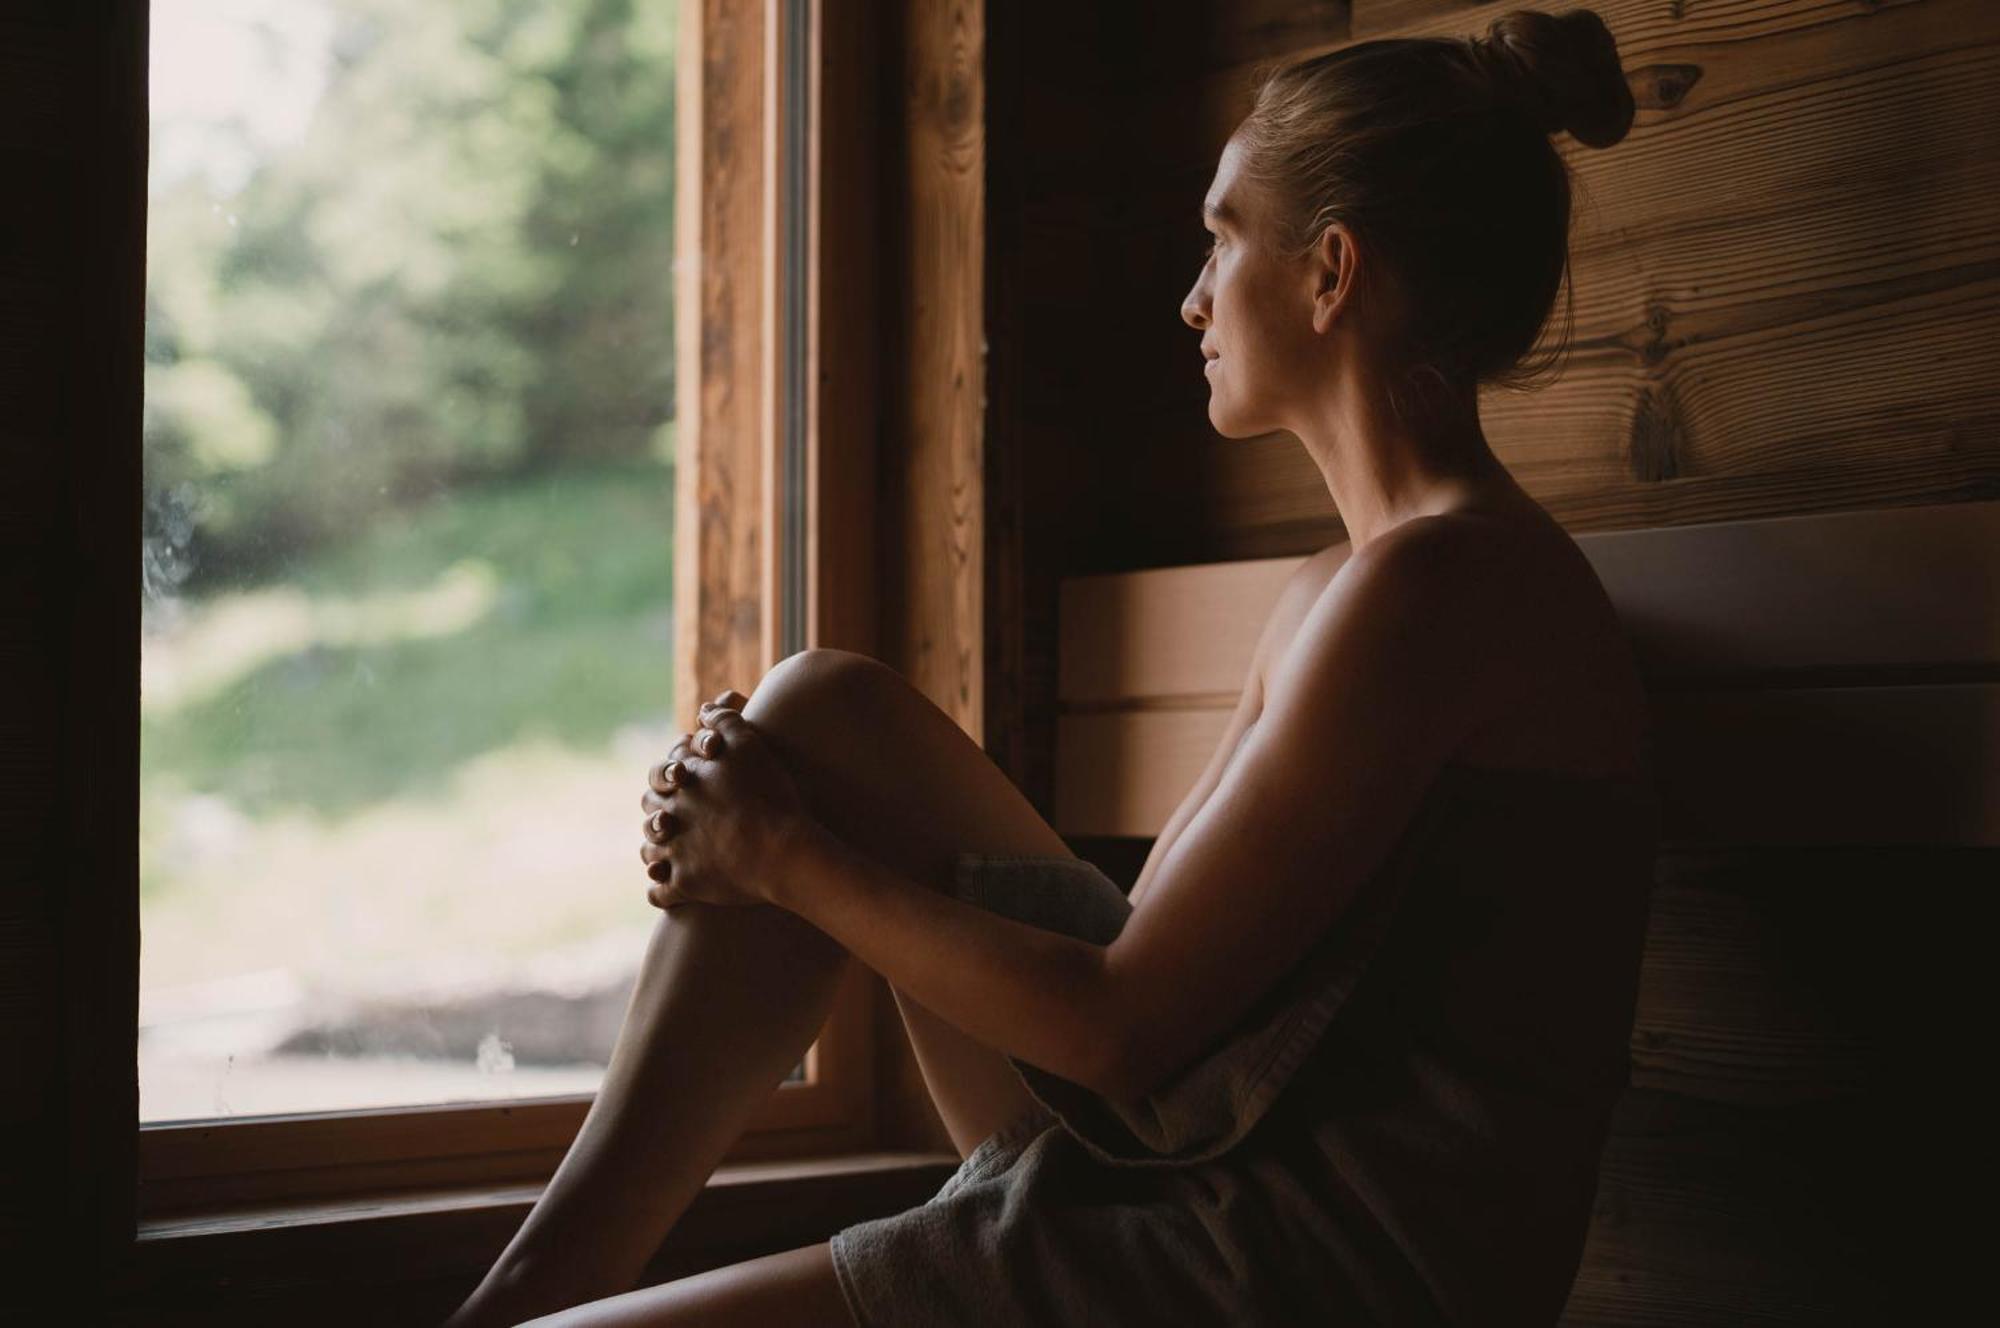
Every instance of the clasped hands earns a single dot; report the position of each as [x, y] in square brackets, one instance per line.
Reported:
[724, 819]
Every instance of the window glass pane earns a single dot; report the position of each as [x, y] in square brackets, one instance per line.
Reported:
[408, 550]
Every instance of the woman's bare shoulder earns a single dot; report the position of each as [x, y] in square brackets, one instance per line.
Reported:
[1302, 590]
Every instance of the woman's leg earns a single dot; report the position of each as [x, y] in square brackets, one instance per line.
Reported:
[795, 1288]
[726, 1003]
[728, 999]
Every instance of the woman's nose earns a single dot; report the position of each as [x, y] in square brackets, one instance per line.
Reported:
[1194, 307]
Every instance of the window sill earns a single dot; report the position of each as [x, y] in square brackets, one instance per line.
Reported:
[419, 1250]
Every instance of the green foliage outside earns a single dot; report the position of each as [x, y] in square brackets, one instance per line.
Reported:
[462, 271]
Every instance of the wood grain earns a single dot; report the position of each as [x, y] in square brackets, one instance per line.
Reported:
[844, 405]
[1711, 1214]
[1785, 286]
[933, 627]
[719, 637]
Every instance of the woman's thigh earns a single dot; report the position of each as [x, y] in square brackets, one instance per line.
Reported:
[890, 773]
[796, 1287]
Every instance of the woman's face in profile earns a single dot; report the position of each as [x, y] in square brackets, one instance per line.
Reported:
[1253, 307]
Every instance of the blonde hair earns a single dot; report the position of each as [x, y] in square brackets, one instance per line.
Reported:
[1436, 153]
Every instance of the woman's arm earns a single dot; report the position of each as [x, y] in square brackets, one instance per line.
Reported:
[1390, 673]
[1300, 591]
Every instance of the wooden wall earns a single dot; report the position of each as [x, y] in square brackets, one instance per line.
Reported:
[1787, 283]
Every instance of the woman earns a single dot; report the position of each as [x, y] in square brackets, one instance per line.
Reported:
[1430, 816]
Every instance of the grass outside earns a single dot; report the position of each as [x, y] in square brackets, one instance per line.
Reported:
[408, 773]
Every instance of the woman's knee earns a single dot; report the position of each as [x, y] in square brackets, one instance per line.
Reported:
[820, 691]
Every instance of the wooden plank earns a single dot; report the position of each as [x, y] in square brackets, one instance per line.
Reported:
[1892, 594]
[1832, 765]
[422, 1252]
[719, 233]
[1165, 631]
[1011, 596]
[1894, 589]
[1776, 977]
[1264, 498]
[1253, 30]
[1709, 1214]
[1648, 34]
[1746, 994]
[1124, 772]
[844, 396]
[937, 533]
[1824, 765]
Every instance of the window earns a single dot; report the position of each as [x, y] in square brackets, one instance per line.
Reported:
[418, 606]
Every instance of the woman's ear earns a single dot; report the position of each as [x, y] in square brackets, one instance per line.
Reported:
[1333, 266]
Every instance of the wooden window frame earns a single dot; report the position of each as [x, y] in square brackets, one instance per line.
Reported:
[770, 112]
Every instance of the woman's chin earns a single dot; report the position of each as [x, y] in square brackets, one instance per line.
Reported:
[1230, 424]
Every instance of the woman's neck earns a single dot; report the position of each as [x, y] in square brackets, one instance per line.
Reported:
[1381, 472]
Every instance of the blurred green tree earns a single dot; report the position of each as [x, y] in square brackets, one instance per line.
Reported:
[461, 271]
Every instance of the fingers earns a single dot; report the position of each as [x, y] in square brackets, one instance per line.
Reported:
[718, 717]
[655, 831]
[729, 725]
[668, 775]
[672, 771]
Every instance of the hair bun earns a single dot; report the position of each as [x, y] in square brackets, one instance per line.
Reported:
[1563, 70]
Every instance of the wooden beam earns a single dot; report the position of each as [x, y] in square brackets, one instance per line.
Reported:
[933, 631]
[1888, 593]
[719, 636]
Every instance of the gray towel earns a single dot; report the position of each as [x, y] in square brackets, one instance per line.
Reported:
[1404, 1129]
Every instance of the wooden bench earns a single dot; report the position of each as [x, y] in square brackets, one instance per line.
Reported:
[1827, 703]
